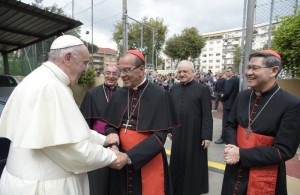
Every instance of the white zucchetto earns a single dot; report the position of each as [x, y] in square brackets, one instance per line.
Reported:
[65, 41]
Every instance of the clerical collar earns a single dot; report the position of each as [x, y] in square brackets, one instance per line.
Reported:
[141, 85]
[187, 83]
[269, 91]
[109, 87]
[63, 77]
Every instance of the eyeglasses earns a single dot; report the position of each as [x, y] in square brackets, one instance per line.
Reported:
[114, 74]
[127, 70]
[254, 68]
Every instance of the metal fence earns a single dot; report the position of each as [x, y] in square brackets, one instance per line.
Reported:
[265, 16]
[269, 10]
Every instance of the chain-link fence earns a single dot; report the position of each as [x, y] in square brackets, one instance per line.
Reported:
[267, 14]
[269, 10]
[25, 60]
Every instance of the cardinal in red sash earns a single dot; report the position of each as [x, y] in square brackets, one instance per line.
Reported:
[262, 131]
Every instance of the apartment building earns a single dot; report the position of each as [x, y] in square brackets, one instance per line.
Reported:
[102, 57]
[220, 46]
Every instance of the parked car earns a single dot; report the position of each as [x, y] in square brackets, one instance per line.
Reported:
[2, 104]
[4, 142]
[7, 85]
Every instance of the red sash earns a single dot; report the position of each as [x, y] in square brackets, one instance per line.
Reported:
[262, 180]
[153, 172]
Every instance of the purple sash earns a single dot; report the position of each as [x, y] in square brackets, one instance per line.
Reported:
[99, 126]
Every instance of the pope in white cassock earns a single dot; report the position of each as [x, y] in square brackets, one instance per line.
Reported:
[52, 147]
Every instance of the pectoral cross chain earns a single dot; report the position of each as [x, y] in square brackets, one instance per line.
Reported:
[249, 130]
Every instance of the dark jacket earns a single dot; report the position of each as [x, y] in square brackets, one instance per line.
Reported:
[230, 92]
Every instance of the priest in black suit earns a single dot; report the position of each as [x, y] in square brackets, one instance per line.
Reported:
[190, 141]
[231, 90]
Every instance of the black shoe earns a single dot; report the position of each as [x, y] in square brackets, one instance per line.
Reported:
[220, 141]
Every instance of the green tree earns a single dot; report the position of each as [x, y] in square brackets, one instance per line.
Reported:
[187, 45]
[287, 42]
[173, 47]
[88, 77]
[134, 36]
[90, 46]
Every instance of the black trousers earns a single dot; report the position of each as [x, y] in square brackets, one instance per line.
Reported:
[217, 99]
[224, 122]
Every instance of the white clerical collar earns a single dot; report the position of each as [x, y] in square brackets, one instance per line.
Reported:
[58, 72]
[136, 88]
[188, 82]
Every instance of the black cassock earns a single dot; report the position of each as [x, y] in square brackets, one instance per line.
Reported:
[152, 114]
[92, 107]
[278, 117]
[188, 164]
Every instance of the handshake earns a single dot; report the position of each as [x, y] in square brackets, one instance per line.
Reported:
[122, 158]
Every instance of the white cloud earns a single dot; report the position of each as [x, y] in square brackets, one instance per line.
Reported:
[206, 15]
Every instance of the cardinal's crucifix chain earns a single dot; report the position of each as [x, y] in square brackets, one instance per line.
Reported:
[250, 122]
[128, 108]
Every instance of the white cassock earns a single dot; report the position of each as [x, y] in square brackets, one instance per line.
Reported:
[52, 147]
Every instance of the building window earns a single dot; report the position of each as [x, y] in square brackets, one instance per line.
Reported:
[203, 67]
[210, 54]
[211, 49]
[211, 42]
[204, 55]
[217, 60]
[203, 61]
[210, 61]
[218, 54]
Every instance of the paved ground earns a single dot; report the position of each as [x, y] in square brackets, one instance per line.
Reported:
[216, 162]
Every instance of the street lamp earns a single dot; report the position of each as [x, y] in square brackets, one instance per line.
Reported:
[87, 32]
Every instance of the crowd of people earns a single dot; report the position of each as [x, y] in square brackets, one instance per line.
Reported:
[114, 143]
[166, 81]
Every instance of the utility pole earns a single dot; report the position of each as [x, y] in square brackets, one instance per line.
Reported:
[249, 35]
[153, 50]
[125, 33]
[241, 67]
[142, 38]
[153, 39]
[92, 7]
[270, 24]
[72, 9]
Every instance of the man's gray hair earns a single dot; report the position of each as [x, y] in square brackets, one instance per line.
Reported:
[111, 65]
[187, 62]
[56, 54]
